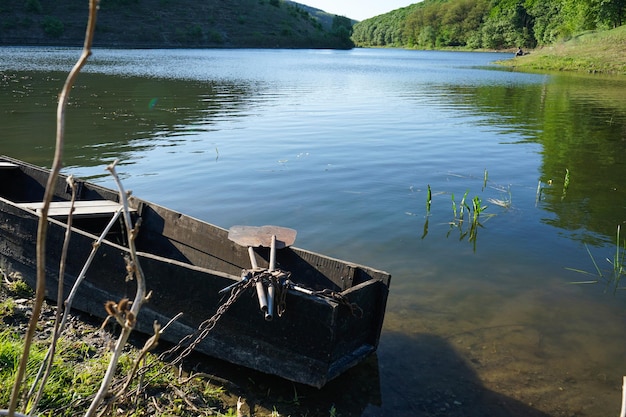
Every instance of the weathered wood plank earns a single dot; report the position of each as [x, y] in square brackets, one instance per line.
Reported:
[7, 165]
[81, 208]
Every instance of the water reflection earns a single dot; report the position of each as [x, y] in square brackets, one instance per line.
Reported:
[581, 125]
[121, 115]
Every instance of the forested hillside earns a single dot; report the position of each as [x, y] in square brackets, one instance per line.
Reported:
[488, 24]
[173, 23]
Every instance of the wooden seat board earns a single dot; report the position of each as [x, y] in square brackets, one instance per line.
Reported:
[7, 165]
[81, 208]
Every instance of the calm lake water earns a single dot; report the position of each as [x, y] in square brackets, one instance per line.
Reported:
[343, 146]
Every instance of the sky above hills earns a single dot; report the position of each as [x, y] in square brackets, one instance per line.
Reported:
[358, 9]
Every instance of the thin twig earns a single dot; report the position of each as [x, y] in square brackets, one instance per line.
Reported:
[140, 297]
[47, 362]
[42, 228]
[172, 320]
[150, 344]
[211, 378]
[81, 276]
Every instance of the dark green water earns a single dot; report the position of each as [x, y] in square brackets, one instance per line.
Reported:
[342, 146]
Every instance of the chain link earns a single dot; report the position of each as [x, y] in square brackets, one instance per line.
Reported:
[206, 326]
[339, 298]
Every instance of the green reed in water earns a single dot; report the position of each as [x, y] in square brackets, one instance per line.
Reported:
[469, 211]
[614, 276]
[475, 210]
[565, 184]
[473, 216]
[453, 206]
[462, 207]
[485, 179]
[478, 208]
[618, 260]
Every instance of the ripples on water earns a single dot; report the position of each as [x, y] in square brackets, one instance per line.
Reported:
[342, 145]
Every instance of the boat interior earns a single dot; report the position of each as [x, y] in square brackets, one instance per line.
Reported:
[168, 234]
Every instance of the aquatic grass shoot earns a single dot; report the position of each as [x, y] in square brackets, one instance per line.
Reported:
[463, 206]
[544, 186]
[473, 216]
[478, 208]
[565, 184]
[468, 213]
[453, 206]
[429, 200]
[618, 259]
[538, 193]
[485, 179]
[612, 277]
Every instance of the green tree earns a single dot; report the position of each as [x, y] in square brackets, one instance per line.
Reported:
[342, 30]
[610, 13]
[427, 37]
[33, 6]
[547, 18]
[508, 25]
[341, 22]
[493, 24]
[53, 27]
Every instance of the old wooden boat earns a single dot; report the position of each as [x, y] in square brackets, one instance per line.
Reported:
[333, 310]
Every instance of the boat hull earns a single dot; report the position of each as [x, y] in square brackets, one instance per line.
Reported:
[186, 263]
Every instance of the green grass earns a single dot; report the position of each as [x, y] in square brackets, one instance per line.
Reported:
[7, 308]
[79, 366]
[74, 373]
[78, 370]
[19, 288]
[591, 52]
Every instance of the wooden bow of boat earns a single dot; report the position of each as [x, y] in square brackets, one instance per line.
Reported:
[186, 263]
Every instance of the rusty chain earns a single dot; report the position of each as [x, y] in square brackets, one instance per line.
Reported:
[248, 280]
[280, 280]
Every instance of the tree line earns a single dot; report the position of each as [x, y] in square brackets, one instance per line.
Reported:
[489, 24]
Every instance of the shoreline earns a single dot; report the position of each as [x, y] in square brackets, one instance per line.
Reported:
[589, 52]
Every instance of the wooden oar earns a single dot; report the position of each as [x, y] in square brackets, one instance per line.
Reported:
[269, 314]
[275, 237]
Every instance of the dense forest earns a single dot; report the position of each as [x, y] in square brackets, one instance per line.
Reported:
[174, 23]
[488, 24]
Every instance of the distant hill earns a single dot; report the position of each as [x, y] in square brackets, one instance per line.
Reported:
[326, 19]
[173, 23]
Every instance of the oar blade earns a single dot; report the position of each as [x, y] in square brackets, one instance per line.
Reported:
[257, 236]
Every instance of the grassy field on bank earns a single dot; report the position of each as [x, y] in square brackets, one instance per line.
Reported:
[593, 52]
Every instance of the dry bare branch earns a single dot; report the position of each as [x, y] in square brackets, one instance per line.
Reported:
[43, 220]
